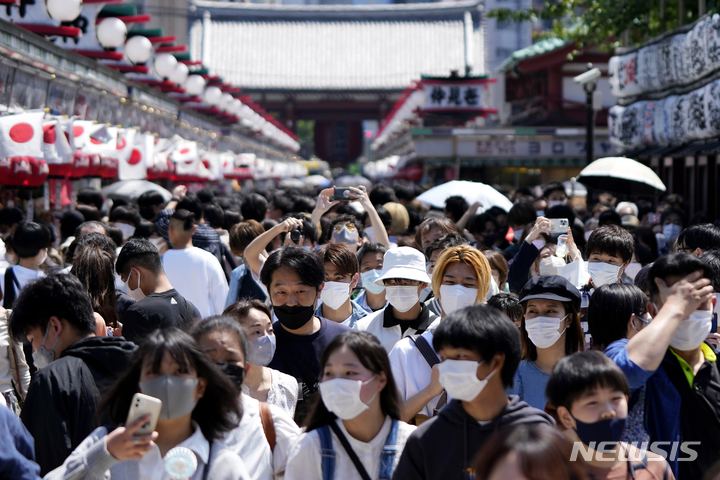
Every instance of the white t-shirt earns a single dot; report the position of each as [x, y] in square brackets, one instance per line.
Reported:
[373, 323]
[306, 461]
[249, 442]
[411, 371]
[197, 276]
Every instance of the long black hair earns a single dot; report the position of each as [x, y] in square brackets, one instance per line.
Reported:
[609, 312]
[373, 356]
[217, 412]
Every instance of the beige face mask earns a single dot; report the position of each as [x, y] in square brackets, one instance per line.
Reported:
[549, 265]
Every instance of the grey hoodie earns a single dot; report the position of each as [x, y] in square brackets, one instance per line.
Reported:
[443, 448]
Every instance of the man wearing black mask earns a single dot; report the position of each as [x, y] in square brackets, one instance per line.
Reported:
[294, 279]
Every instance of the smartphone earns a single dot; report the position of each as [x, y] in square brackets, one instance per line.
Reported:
[559, 225]
[342, 194]
[143, 405]
[654, 218]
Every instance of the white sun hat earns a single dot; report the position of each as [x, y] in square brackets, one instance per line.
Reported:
[403, 262]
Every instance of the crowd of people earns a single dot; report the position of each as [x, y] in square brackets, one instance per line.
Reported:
[291, 334]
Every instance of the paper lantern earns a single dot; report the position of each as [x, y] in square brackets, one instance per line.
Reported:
[180, 74]
[226, 102]
[138, 50]
[111, 32]
[194, 85]
[64, 10]
[164, 65]
[212, 96]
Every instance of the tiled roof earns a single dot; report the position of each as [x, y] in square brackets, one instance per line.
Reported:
[280, 47]
[539, 48]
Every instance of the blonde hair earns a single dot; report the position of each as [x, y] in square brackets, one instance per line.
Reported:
[400, 218]
[470, 256]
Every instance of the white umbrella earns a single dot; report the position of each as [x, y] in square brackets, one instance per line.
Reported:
[622, 175]
[317, 181]
[470, 191]
[353, 181]
[291, 183]
[132, 189]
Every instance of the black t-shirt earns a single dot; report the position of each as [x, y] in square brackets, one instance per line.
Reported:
[299, 356]
[157, 310]
[699, 414]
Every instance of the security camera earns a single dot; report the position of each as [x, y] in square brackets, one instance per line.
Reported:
[587, 77]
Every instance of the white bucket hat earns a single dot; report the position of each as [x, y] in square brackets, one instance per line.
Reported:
[403, 262]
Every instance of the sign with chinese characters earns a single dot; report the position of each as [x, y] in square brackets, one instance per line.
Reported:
[508, 148]
[459, 96]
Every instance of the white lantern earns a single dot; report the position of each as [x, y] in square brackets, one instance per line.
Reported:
[138, 50]
[236, 107]
[194, 85]
[164, 65]
[64, 10]
[180, 74]
[226, 102]
[212, 95]
[111, 32]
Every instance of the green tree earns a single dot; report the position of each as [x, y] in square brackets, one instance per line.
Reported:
[608, 23]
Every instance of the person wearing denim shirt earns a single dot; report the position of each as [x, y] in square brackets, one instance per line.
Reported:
[341, 277]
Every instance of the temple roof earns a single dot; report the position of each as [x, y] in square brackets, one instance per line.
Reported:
[334, 47]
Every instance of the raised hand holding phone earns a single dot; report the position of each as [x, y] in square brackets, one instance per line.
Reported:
[123, 443]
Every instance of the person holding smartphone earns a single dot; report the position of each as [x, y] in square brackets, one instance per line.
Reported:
[199, 405]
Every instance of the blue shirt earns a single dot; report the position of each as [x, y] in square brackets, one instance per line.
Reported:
[530, 383]
[17, 449]
[357, 313]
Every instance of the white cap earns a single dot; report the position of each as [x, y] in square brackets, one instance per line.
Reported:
[403, 262]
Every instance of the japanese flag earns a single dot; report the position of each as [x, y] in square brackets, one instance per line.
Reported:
[102, 141]
[211, 161]
[186, 158]
[135, 167]
[56, 148]
[125, 143]
[21, 135]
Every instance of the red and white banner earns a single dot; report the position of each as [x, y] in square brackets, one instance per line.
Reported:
[125, 143]
[186, 159]
[21, 135]
[102, 141]
[136, 165]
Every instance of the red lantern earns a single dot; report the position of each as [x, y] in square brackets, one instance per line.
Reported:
[39, 172]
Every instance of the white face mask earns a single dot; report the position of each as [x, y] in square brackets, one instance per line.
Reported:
[368, 281]
[455, 297]
[517, 234]
[671, 232]
[544, 331]
[603, 273]
[539, 243]
[261, 350]
[127, 230]
[402, 298]
[459, 379]
[693, 330]
[342, 397]
[632, 270]
[44, 257]
[137, 293]
[335, 294]
[11, 259]
[549, 265]
[555, 203]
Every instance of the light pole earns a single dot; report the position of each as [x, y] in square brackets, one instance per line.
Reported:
[588, 81]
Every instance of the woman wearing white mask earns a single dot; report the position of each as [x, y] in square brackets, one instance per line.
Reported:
[550, 329]
[127, 219]
[263, 383]
[370, 259]
[355, 421]
[199, 405]
[266, 434]
[341, 278]
[673, 222]
[461, 277]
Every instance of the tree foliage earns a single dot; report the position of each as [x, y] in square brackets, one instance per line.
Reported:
[603, 22]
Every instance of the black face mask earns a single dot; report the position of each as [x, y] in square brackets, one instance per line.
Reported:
[609, 430]
[295, 317]
[234, 372]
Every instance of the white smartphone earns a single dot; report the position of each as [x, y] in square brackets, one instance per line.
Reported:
[559, 225]
[143, 405]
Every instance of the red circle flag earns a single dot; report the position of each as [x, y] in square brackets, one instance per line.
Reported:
[207, 164]
[21, 133]
[49, 135]
[184, 151]
[77, 131]
[135, 157]
[121, 143]
[95, 142]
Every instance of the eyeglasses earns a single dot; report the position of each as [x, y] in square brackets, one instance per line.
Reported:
[685, 249]
[339, 226]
